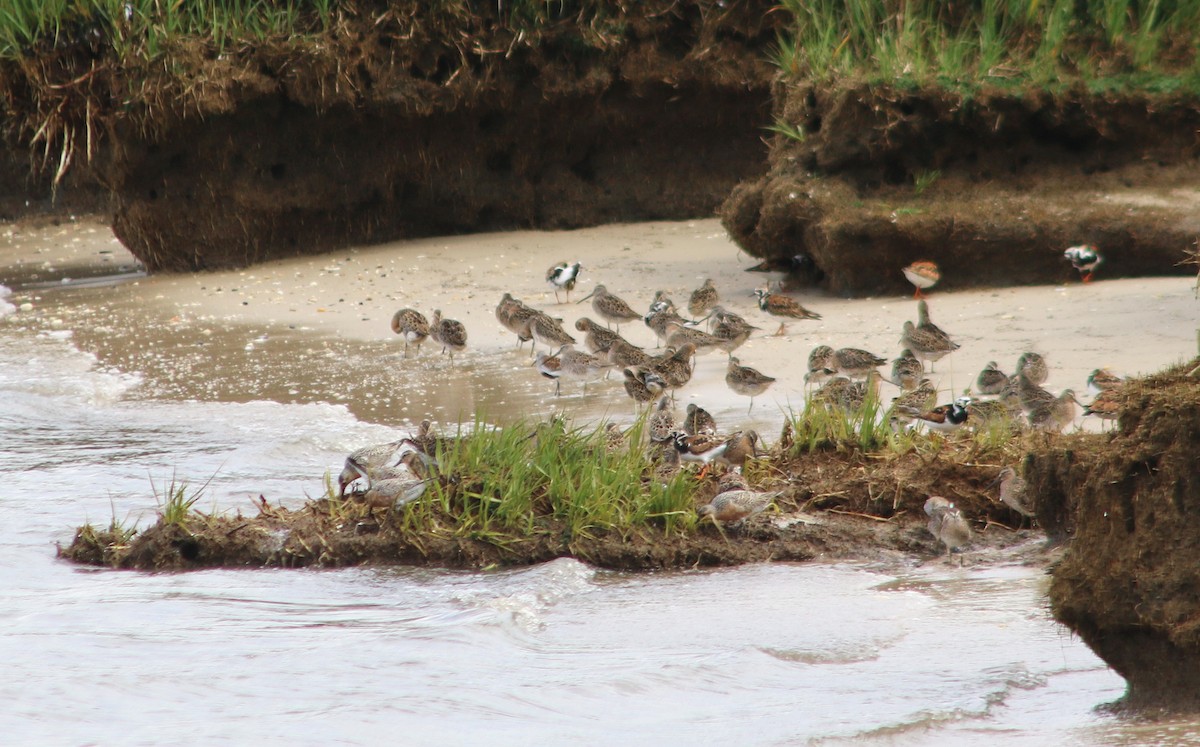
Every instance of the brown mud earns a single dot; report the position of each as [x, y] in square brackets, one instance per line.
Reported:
[1128, 583]
[836, 505]
[1008, 180]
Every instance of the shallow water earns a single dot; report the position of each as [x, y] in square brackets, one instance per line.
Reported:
[559, 653]
[821, 654]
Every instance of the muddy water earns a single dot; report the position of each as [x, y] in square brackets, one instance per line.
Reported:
[926, 653]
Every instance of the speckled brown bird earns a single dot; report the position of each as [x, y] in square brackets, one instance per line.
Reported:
[450, 333]
[703, 298]
[698, 420]
[779, 305]
[739, 447]
[746, 381]
[413, 326]
[610, 307]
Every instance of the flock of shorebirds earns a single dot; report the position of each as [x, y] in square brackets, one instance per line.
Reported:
[843, 378]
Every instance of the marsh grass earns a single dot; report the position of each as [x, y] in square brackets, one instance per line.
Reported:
[176, 504]
[503, 484]
[923, 180]
[1004, 42]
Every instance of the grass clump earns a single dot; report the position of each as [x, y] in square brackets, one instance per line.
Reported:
[1043, 42]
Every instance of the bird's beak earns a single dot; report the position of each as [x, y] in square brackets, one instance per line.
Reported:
[586, 297]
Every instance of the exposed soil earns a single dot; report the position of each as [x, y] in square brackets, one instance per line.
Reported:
[1128, 583]
[390, 126]
[836, 505]
[1013, 178]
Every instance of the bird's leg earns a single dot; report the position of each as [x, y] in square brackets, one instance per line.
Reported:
[751, 407]
[1087, 278]
[782, 328]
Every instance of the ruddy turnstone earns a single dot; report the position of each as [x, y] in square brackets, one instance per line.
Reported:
[1102, 380]
[1084, 258]
[1012, 490]
[991, 380]
[610, 307]
[947, 524]
[698, 420]
[703, 298]
[1106, 405]
[1034, 367]
[780, 305]
[922, 274]
[449, 332]
[746, 381]
[907, 370]
[414, 327]
[944, 418]
[701, 449]
[563, 276]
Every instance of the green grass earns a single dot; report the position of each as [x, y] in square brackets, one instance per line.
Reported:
[923, 180]
[499, 484]
[1003, 42]
[176, 503]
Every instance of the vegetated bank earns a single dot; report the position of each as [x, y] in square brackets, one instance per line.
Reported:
[230, 133]
[987, 138]
[847, 488]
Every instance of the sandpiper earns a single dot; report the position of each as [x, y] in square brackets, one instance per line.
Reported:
[643, 385]
[732, 479]
[925, 339]
[922, 274]
[563, 276]
[413, 325]
[820, 365]
[1012, 490]
[614, 437]
[666, 464]
[661, 425]
[746, 381]
[947, 524]
[735, 506]
[1106, 405]
[577, 364]
[1084, 258]
[426, 440]
[449, 332]
[1030, 395]
[1034, 367]
[855, 363]
[361, 462]
[732, 333]
[550, 366]
[514, 316]
[1102, 380]
[623, 354]
[835, 392]
[779, 305]
[703, 298]
[698, 420]
[658, 321]
[597, 339]
[917, 400]
[678, 334]
[739, 447]
[991, 380]
[610, 307]
[907, 370]
[1054, 415]
[394, 492]
[676, 369]
[548, 331]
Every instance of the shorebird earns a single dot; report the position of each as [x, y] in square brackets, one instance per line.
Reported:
[449, 332]
[944, 418]
[550, 366]
[1034, 367]
[735, 506]
[658, 321]
[661, 302]
[854, 363]
[661, 425]
[623, 354]
[991, 380]
[1103, 380]
[1084, 258]
[678, 334]
[1012, 490]
[514, 316]
[577, 364]
[1106, 405]
[701, 448]
[548, 331]
[1029, 394]
[907, 370]
[703, 298]
[917, 400]
[394, 492]
[666, 464]
[922, 274]
[413, 326]
[426, 441]
[732, 333]
[926, 340]
[614, 437]
[610, 307]
[597, 339]
[820, 365]
[698, 420]
[676, 369]
[362, 462]
[739, 447]
[563, 275]
[776, 304]
[1054, 415]
[732, 479]
[946, 523]
[642, 385]
[835, 392]
[746, 381]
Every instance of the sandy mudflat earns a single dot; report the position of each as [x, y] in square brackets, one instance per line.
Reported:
[1132, 326]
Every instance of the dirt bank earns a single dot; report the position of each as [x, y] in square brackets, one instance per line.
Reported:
[1128, 581]
[992, 186]
[397, 125]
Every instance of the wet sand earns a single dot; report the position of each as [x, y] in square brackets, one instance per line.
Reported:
[317, 328]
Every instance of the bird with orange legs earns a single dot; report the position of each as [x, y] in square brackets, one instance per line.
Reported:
[922, 274]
